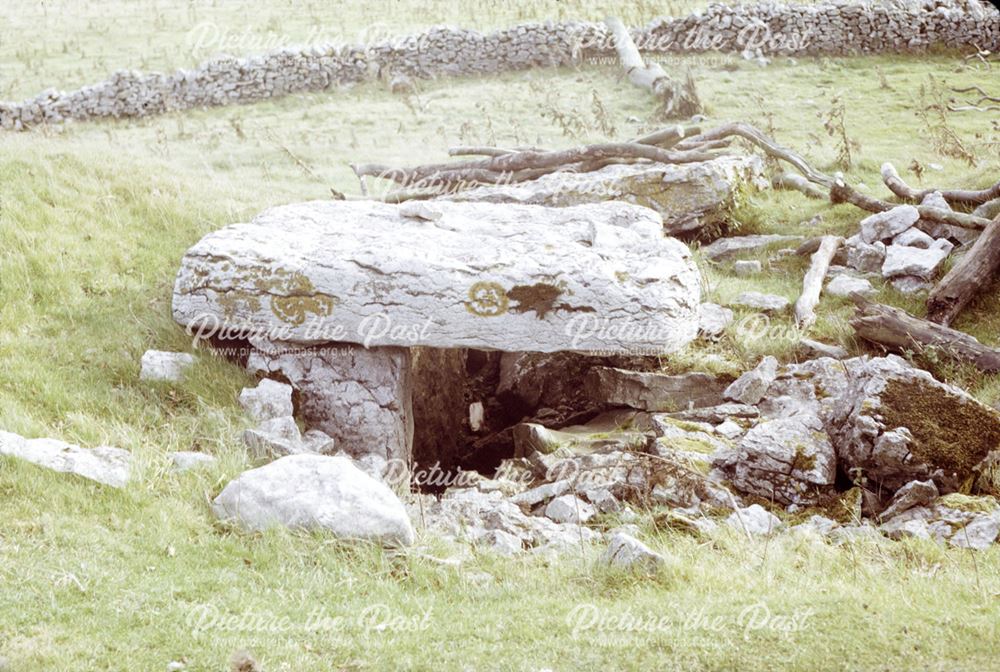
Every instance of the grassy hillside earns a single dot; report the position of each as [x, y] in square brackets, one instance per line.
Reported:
[93, 221]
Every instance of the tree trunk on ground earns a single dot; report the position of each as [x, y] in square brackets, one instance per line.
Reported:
[680, 99]
[975, 271]
[900, 331]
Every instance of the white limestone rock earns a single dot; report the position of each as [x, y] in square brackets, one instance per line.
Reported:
[186, 460]
[628, 552]
[315, 492]
[713, 320]
[270, 399]
[754, 520]
[161, 366]
[752, 385]
[913, 237]
[901, 260]
[844, 285]
[765, 302]
[883, 225]
[359, 397]
[687, 195]
[725, 248]
[569, 509]
[864, 257]
[106, 465]
[509, 277]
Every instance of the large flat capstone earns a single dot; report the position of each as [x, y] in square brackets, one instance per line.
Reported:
[687, 195]
[507, 277]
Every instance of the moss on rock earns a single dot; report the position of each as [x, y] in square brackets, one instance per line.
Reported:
[949, 433]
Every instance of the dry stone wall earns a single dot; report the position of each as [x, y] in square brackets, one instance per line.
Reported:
[830, 27]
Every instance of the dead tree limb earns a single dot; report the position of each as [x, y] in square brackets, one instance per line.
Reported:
[528, 165]
[953, 196]
[668, 137]
[812, 284]
[899, 331]
[973, 273]
[679, 99]
[769, 146]
[793, 181]
[844, 193]
[980, 91]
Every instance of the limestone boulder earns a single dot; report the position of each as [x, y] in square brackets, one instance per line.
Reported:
[106, 465]
[162, 366]
[600, 276]
[896, 424]
[627, 552]
[269, 399]
[788, 460]
[688, 196]
[651, 391]
[315, 492]
[359, 397]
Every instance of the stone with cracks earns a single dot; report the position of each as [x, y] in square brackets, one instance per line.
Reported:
[650, 391]
[914, 493]
[688, 196]
[628, 552]
[359, 397]
[569, 509]
[315, 492]
[864, 257]
[270, 399]
[512, 277]
[901, 260]
[845, 285]
[895, 424]
[725, 248]
[752, 385]
[913, 237]
[888, 224]
[789, 460]
[106, 465]
[276, 437]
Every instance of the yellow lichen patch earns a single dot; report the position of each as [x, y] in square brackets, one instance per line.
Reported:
[969, 503]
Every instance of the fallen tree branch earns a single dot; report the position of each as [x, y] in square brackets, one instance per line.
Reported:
[793, 181]
[982, 94]
[769, 146]
[974, 272]
[679, 99]
[812, 284]
[899, 331]
[963, 196]
[973, 108]
[840, 192]
[527, 165]
[668, 137]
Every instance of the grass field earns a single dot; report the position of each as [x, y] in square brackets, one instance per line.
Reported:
[94, 219]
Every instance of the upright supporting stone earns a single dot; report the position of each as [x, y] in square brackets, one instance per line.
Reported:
[359, 396]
